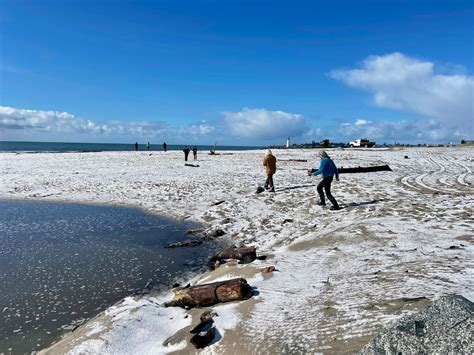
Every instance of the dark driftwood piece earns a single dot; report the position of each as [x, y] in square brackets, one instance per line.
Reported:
[245, 255]
[192, 165]
[204, 332]
[210, 294]
[184, 243]
[368, 169]
[361, 169]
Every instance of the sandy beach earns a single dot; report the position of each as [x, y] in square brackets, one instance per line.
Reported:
[341, 275]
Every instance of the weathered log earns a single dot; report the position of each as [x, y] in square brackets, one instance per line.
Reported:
[210, 294]
[185, 243]
[191, 165]
[245, 255]
[360, 169]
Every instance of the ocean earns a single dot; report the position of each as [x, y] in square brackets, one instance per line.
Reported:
[58, 147]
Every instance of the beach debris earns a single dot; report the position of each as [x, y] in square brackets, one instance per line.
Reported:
[204, 332]
[244, 255]
[208, 234]
[148, 285]
[195, 231]
[406, 156]
[260, 189]
[413, 299]
[445, 327]
[268, 269]
[218, 203]
[361, 169]
[208, 314]
[295, 160]
[288, 220]
[185, 243]
[212, 234]
[191, 165]
[209, 294]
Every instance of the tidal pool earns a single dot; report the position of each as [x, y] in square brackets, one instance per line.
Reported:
[63, 263]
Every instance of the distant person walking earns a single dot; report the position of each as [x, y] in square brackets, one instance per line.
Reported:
[148, 146]
[165, 147]
[136, 146]
[269, 162]
[186, 153]
[328, 169]
[195, 153]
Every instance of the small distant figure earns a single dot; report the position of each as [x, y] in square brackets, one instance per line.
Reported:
[136, 146]
[288, 142]
[165, 147]
[148, 146]
[269, 162]
[328, 169]
[186, 153]
[195, 153]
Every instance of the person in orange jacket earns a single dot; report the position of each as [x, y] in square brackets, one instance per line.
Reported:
[269, 162]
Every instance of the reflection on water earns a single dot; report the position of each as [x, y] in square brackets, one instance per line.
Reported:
[63, 263]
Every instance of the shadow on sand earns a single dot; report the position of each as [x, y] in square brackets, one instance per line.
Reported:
[356, 204]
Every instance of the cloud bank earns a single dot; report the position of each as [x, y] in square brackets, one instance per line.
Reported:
[411, 85]
[403, 131]
[264, 124]
[47, 125]
[248, 125]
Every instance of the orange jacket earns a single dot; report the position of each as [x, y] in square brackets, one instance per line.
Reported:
[271, 163]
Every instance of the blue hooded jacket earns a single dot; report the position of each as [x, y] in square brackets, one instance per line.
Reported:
[327, 168]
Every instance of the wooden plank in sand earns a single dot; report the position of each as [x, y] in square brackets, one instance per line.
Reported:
[210, 294]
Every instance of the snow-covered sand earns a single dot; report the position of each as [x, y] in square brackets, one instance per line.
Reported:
[402, 234]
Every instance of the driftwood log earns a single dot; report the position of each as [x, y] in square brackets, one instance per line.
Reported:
[361, 169]
[210, 294]
[244, 255]
[205, 331]
[185, 243]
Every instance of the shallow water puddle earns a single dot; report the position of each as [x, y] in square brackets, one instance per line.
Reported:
[63, 263]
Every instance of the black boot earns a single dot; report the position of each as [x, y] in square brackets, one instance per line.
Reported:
[321, 201]
[335, 206]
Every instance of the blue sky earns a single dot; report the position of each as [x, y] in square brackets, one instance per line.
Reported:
[239, 72]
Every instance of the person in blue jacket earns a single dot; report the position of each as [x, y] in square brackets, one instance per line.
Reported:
[328, 169]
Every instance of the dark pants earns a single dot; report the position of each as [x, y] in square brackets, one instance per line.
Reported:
[326, 185]
[269, 181]
[186, 156]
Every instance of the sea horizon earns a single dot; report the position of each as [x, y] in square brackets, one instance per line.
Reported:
[32, 146]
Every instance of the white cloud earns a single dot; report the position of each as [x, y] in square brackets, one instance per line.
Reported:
[264, 124]
[44, 125]
[411, 85]
[400, 131]
[197, 129]
[361, 122]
